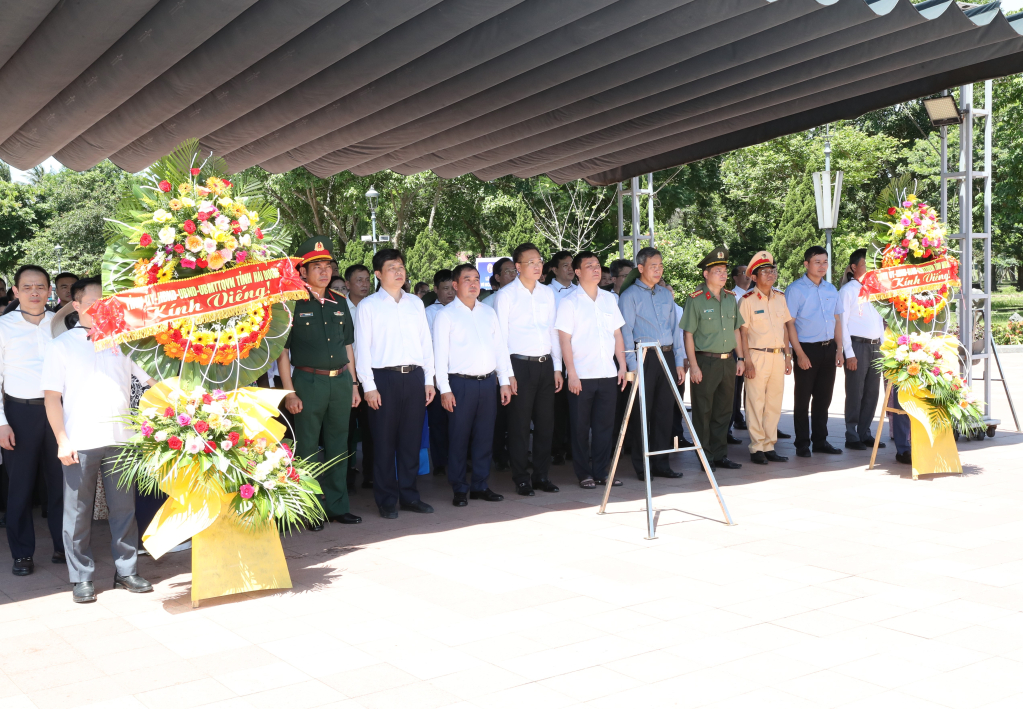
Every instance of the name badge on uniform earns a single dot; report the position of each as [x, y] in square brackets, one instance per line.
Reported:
[711, 310]
[305, 315]
[338, 313]
[758, 312]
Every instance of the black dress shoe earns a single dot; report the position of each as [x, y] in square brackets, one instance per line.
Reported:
[419, 506]
[803, 452]
[558, 459]
[133, 583]
[906, 457]
[732, 440]
[488, 495]
[58, 557]
[388, 513]
[684, 443]
[459, 500]
[23, 566]
[316, 526]
[727, 464]
[855, 446]
[826, 448]
[524, 489]
[83, 592]
[774, 457]
[347, 518]
[603, 481]
[759, 458]
[869, 443]
[782, 434]
[367, 484]
[669, 473]
[546, 486]
[740, 424]
[440, 470]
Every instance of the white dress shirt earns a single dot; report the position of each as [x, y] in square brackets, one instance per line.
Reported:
[527, 320]
[391, 333]
[96, 387]
[739, 292]
[431, 314]
[469, 342]
[858, 319]
[561, 291]
[592, 325]
[22, 349]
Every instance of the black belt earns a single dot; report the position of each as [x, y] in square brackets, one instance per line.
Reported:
[865, 340]
[716, 355]
[825, 343]
[527, 358]
[30, 402]
[401, 369]
[475, 377]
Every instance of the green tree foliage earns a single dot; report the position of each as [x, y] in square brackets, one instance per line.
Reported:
[5, 172]
[20, 217]
[797, 231]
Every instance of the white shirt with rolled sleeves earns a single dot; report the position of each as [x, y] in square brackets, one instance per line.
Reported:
[469, 342]
[527, 320]
[858, 319]
[22, 350]
[390, 334]
[96, 387]
[591, 325]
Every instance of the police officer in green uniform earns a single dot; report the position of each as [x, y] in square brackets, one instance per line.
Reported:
[320, 348]
[711, 321]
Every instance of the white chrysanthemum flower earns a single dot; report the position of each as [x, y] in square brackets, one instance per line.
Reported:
[167, 235]
[162, 215]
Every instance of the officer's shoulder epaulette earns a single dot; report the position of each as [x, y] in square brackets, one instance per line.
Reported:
[778, 290]
[696, 293]
[747, 294]
[729, 292]
[337, 292]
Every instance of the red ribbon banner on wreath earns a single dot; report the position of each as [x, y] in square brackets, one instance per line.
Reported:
[141, 312]
[906, 279]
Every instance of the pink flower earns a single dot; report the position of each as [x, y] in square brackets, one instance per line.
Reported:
[903, 340]
[246, 491]
[907, 203]
[905, 221]
[219, 395]
[287, 450]
[187, 263]
[240, 256]
[184, 419]
[146, 429]
[936, 371]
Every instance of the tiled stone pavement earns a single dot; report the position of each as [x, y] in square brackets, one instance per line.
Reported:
[839, 587]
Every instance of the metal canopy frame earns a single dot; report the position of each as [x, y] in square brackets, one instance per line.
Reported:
[635, 193]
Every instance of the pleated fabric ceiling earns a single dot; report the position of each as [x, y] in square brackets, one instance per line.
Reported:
[595, 89]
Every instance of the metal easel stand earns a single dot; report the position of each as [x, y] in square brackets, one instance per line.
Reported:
[1005, 384]
[639, 385]
[885, 409]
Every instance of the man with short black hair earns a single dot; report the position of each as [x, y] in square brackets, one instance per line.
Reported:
[87, 396]
[473, 371]
[360, 284]
[862, 330]
[526, 311]
[421, 289]
[606, 282]
[25, 435]
[443, 286]
[62, 288]
[620, 269]
[817, 309]
[394, 361]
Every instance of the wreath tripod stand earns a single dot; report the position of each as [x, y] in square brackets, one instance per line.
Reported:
[639, 385]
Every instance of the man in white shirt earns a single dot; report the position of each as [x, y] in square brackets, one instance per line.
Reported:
[438, 417]
[526, 309]
[589, 325]
[27, 439]
[360, 284]
[394, 361]
[470, 354]
[561, 446]
[862, 330]
[87, 393]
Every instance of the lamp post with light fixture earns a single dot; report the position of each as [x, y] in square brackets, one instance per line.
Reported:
[371, 198]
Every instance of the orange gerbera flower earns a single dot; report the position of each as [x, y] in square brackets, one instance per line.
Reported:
[193, 243]
[215, 260]
[913, 369]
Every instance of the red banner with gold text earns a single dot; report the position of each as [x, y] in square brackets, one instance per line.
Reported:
[906, 279]
[141, 312]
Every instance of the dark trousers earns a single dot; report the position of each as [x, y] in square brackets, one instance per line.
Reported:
[439, 431]
[359, 422]
[815, 384]
[712, 404]
[592, 411]
[659, 403]
[35, 450]
[471, 428]
[534, 402]
[397, 428]
[561, 442]
[901, 426]
[862, 389]
[326, 408]
[501, 432]
[737, 405]
[678, 426]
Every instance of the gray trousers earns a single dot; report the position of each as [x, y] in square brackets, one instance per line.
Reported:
[79, 498]
[862, 389]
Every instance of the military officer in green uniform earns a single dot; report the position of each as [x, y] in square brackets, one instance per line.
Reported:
[711, 322]
[319, 346]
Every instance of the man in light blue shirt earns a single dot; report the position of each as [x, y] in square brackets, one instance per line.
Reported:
[649, 313]
[815, 306]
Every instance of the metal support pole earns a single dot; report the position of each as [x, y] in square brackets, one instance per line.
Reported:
[650, 206]
[635, 216]
[641, 384]
[621, 225]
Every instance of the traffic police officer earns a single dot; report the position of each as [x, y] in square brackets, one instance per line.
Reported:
[320, 348]
[766, 329]
[711, 321]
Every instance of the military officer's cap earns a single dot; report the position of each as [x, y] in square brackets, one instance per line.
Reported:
[763, 258]
[315, 249]
[718, 256]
